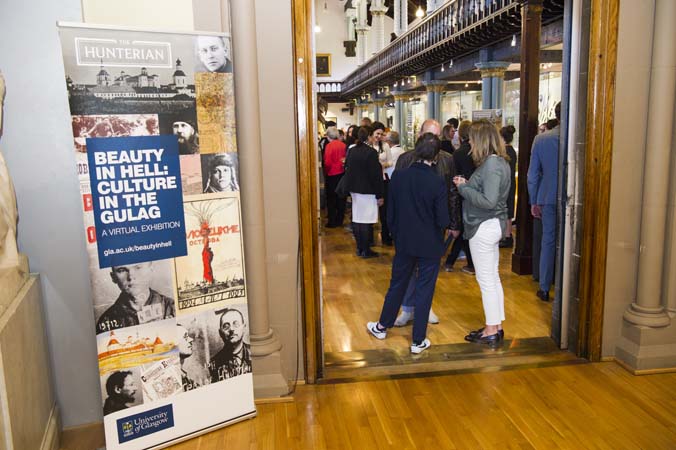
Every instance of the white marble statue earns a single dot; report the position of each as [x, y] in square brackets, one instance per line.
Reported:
[13, 267]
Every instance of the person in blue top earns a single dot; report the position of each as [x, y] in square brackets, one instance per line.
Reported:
[543, 176]
[418, 217]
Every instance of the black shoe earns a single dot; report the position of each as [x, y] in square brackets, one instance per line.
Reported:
[370, 254]
[493, 340]
[473, 335]
[507, 242]
[543, 295]
[360, 253]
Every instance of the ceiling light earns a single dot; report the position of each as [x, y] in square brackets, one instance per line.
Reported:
[419, 12]
[450, 65]
[442, 68]
[514, 40]
[466, 84]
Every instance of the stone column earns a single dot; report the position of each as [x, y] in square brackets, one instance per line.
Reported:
[434, 90]
[378, 105]
[362, 44]
[400, 99]
[357, 112]
[400, 17]
[267, 370]
[648, 309]
[531, 20]
[492, 85]
[378, 11]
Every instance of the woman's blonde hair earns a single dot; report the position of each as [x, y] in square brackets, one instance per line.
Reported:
[485, 141]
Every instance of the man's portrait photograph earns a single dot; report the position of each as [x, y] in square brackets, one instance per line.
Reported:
[213, 54]
[183, 125]
[133, 294]
[121, 389]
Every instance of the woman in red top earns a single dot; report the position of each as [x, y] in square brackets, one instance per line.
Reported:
[334, 168]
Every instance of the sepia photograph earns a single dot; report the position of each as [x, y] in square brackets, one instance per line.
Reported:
[213, 54]
[183, 125]
[191, 174]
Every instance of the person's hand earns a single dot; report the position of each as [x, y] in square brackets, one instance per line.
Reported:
[455, 233]
[381, 201]
[536, 211]
[459, 180]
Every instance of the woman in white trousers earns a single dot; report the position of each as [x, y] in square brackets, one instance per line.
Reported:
[485, 219]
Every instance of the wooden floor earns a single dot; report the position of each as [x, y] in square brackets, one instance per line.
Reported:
[590, 406]
[353, 290]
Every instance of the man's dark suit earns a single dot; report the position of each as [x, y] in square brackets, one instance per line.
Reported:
[417, 216]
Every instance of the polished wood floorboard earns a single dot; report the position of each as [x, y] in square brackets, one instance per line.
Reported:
[590, 406]
[353, 290]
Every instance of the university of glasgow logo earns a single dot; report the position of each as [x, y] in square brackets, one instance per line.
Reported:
[145, 423]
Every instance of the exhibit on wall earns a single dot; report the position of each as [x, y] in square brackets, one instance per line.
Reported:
[153, 122]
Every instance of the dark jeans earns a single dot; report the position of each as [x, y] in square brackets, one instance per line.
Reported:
[402, 270]
[335, 204]
[382, 213]
[537, 246]
[459, 243]
[363, 234]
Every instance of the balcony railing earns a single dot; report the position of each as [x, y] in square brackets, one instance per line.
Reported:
[455, 29]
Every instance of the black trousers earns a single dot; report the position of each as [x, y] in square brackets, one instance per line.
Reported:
[382, 213]
[403, 267]
[335, 204]
[363, 234]
[459, 243]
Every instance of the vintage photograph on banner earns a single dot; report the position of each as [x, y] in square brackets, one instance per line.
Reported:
[133, 294]
[220, 172]
[213, 270]
[215, 345]
[121, 389]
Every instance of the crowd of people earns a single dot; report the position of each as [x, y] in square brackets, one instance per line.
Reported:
[455, 189]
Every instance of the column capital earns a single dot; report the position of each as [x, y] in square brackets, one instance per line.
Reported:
[400, 95]
[435, 86]
[362, 29]
[378, 10]
[492, 68]
[379, 101]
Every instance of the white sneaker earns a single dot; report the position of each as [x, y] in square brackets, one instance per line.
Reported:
[373, 329]
[421, 347]
[404, 318]
[433, 319]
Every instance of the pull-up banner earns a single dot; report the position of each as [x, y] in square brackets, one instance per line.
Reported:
[153, 121]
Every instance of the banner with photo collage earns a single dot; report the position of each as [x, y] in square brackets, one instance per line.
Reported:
[153, 121]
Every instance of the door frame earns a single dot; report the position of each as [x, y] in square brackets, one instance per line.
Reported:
[597, 168]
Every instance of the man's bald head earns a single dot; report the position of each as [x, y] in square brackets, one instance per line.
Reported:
[430, 126]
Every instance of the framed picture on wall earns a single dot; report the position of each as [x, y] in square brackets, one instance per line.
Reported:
[323, 64]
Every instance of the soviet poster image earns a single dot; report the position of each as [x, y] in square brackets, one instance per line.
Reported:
[127, 73]
[220, 172]
[213, 270]
[121, 389]
[216, 112]
[215, 345]
[132, 294]
[161, 379]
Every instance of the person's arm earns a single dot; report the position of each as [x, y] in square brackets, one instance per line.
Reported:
[441, 216]
[488, 196]
[534, 174]
[375, 172]
[454, 203]
[392, 205]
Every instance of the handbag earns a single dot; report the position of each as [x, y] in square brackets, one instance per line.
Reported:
[342, 188]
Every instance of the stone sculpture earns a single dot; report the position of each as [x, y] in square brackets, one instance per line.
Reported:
[13, 267]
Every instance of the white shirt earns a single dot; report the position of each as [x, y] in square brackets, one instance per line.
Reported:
[396, 152]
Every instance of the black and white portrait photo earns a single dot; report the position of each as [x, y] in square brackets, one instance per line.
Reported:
[184, 127]
[220, 172]
[132, 294]
[121, 390]
[232, 356]
[213, 54]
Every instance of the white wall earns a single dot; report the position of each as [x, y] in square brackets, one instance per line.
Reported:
[334, 32]
[344, 118]
[37, 144]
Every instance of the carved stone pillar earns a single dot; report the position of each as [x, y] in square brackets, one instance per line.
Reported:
[400, 99]
[350, 41]
[400, 17]
[379, 111]
[648, 309]
[493, 83]
[362, 44]
[267, 370]
[531, 20]
[434, 90]
[378, 11]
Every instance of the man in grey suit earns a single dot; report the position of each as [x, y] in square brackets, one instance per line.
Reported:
[543, 175]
